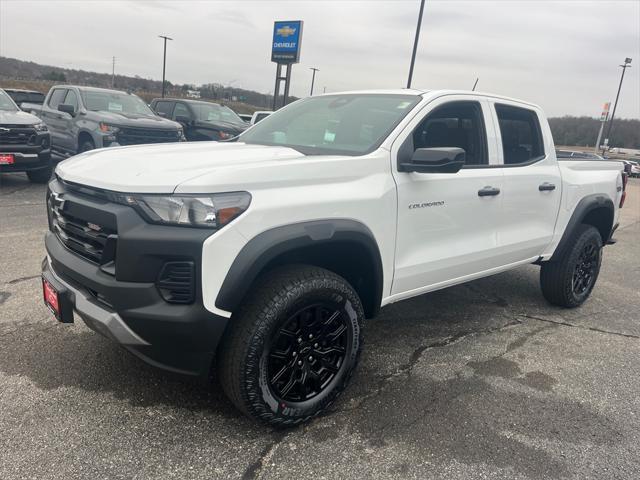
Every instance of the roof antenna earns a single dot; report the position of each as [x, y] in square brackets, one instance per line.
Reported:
[475, 84]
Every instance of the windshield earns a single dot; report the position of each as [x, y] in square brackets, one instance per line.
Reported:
[6, 104]
[115, 102]
[212, 112]
[352, 124]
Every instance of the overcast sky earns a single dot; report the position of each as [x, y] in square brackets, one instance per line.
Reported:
[563, 55]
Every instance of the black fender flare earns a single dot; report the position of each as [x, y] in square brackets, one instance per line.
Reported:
[584, 206]
[266, 246]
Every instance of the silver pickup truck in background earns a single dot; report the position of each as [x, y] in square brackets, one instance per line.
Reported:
[84, 118]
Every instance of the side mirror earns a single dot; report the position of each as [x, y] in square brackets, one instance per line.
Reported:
[66, 108]
[161, 114]
[183, 119]
[435, 160]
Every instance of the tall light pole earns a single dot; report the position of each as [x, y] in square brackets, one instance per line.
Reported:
[625, 65]
[415, 44]
[113, 72]
[164, 59]
[313, 79]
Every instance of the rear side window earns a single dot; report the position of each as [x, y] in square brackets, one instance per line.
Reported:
[521, 135]
[165, 108]
[56, 97]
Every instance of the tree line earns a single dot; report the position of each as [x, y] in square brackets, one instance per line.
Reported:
[583, 132]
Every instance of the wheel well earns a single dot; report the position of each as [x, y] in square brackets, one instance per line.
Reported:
[602, 219]
[83, 137]
[345, 258]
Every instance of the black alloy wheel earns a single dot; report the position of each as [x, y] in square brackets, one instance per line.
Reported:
[307, 352]
[585, 269]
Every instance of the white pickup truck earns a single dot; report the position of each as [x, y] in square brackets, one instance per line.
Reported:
[263, 256]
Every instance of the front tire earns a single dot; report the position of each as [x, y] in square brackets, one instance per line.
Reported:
[569, 281]
[86, 146]
[293, 346]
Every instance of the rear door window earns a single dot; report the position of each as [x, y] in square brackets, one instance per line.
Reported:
[521, 135]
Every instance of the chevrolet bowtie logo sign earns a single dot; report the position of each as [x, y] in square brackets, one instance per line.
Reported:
[285, 31]
[285, 46]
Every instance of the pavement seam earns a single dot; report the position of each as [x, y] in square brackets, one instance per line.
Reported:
[573, 325]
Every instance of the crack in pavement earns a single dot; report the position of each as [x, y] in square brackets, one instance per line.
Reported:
[573, 325]
[254, 471]
[22, 279]
[416, 355]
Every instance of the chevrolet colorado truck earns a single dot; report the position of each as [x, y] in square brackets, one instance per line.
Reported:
[25, 143]
[262, 257]
[85, 118]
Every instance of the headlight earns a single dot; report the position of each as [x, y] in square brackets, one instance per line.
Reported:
[208, 211]
[41, 127]
[106, 128]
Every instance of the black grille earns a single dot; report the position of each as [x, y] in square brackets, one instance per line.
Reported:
[176, 282]
[137, 136]
[10, 135]
[92, 241]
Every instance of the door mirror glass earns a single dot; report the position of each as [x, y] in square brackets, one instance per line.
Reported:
[435, 160]
[66, 108]
[183, 119]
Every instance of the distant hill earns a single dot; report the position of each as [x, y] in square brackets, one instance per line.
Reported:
[40, 77]
[583, 131]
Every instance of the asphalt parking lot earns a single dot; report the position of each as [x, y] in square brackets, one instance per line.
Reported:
[483, 380]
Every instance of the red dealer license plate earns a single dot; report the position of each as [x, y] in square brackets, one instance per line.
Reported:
[51, 298]
[7, 159]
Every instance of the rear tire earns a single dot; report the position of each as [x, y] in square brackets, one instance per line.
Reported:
[292, 347]
[42, 175]
[569, 281]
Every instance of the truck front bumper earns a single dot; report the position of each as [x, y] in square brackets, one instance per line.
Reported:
[125, 300]
[26, 161]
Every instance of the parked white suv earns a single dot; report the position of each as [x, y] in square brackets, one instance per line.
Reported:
[264, 256]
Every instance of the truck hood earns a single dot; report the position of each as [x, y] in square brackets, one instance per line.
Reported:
[133, 120]
[17, 118]
[162, 168]
[236, 128]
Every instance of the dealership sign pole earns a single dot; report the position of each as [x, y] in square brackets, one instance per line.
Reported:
[285, 50]
[603, 119]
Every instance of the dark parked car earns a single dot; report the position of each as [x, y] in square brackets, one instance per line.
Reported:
[24, 142]
[201, 120]
[25, 96]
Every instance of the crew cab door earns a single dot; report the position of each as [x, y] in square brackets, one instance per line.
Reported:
[447, 225]
[68, 134]
[53, 117]
[532, 182]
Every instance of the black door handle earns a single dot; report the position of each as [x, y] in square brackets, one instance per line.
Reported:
[488, 192]
[546, 187]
